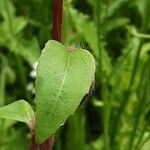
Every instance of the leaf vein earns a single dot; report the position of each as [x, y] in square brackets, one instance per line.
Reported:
[64, 78]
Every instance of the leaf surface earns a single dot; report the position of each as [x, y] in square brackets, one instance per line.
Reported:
[19, 110]
[63, 80]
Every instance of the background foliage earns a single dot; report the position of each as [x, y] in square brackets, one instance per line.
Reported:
[116, 116]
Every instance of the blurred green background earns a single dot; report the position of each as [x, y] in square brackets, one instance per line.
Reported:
[117, 32]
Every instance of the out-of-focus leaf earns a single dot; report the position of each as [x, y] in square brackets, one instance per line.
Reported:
[97, 144]
[10, 37]
[63, 79]
[8, 123]
[123, 66]
[7, 10]
[113, 5]
[144, 55]
[4, 36]
[115, 23]
[15, 140]
[19, 23]
[75, 134]
[146, 146]
[143, 7]
[29, 49]
[10, 75]
[88, 30]
[20, 111]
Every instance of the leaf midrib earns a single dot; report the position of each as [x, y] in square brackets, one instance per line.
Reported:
[64, 78]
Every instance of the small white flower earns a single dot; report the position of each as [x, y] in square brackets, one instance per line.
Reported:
[30, 87]
[33, 74]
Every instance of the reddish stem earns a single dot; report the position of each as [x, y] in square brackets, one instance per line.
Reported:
[57, 19]
[34, 145]
[57, 27]
[48, 144]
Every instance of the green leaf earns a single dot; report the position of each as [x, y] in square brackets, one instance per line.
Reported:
[7, 9]
[146, 145]
[28, 49]
[20, 111]
[144, 55]
[76, 128]
[11, 36]
[88, 30]
[115, 23]
[63, 80]
[19, 23]
[143, 7]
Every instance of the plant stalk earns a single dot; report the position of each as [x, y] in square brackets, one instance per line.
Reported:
[34, 145]
[48, 144]
[56, 35]
[57, 20]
